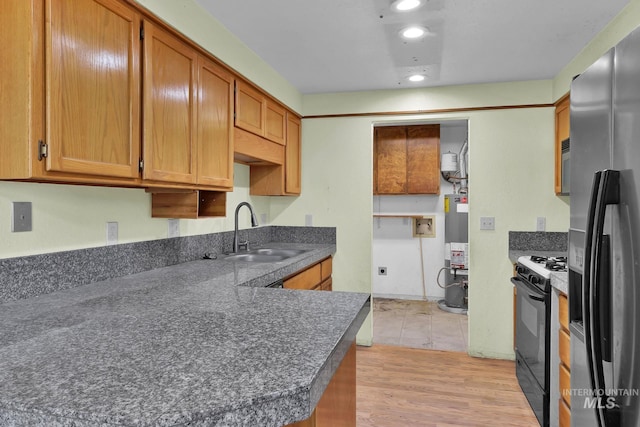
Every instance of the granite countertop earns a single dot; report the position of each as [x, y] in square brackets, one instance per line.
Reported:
[199, 343]
[560, 281]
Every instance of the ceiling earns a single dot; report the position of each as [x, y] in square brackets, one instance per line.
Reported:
[323, 46]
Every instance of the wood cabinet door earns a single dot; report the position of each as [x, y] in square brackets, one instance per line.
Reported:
[275, 127]
[307, 279]
[293, 150]
[215, 125]
[170, 70]
[562, 133]
[390, 160]
[423, 159]
[92, 53]
[250, 109]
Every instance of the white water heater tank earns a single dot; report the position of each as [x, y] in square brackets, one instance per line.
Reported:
[449, 162]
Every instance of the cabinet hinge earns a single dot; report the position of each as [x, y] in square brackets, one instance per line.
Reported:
[141, 33]
[141, 165]
[43, 150]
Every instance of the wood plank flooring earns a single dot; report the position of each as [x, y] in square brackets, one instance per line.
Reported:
[408, 387]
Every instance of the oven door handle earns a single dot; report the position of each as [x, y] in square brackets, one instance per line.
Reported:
[532, 291]
[535, 298]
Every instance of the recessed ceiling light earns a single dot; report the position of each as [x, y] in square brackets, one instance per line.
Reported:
[404, 5]
[413, 32]
[416, 78]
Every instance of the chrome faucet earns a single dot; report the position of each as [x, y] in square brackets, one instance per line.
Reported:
[254, 223]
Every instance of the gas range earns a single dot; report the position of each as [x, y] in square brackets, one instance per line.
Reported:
[537, 270]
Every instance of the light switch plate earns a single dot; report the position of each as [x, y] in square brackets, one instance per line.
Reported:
[21, 217]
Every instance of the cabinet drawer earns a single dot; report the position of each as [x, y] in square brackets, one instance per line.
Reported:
[327, 268]
[308, 279]
[564, 414]
[327, 285]
[565, 384]
[564, 348]
[563, 311]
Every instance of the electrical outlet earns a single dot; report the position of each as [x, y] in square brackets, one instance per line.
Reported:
[263, 219]
[487, 223]
[173, 228]
[112, 233]
[21, 217]
[308, 220]
[382, 271]
[541, 223]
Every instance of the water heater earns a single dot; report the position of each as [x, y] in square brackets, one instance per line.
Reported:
[456, 238]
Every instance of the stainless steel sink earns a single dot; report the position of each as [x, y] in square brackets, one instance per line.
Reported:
[264, 255]
[286, 253]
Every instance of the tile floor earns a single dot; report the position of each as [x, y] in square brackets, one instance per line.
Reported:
[418, 324]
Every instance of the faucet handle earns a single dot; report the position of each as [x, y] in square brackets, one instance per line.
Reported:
[244, 245]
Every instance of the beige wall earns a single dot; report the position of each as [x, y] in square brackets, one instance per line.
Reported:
[67, 217]
[337, 174]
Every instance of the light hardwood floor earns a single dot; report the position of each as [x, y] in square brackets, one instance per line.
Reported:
[406, 387]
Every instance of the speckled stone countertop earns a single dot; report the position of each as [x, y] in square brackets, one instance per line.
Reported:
[560, 281]
[522, 243]
[200, 343]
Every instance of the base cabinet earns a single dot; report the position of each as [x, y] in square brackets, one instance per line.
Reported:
[315, 278]
[564, 349]
[337, 406]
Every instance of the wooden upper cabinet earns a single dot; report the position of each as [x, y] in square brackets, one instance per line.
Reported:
[215, 125]
[70, 99]
[423, 158]
[562, 134]
[258, 114]
[250, 108]
[407, 160]
[293, 162]
[276, 123]
[170, 72]
[390, 160]
[93, 87]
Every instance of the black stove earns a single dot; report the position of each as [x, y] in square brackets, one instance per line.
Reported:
[536, 270]
[533, 321]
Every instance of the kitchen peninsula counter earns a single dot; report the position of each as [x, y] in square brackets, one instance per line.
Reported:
[201, 343]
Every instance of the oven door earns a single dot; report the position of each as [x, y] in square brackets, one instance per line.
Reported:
[532, 340]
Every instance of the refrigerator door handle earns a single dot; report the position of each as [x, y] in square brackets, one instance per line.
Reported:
[586, 276]
[597, 326]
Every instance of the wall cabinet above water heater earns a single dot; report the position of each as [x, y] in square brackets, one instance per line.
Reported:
[406, 160]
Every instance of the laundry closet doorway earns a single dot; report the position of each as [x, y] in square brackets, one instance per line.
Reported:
[408, 251]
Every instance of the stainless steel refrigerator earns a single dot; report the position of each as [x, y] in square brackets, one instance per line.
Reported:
[604, 240]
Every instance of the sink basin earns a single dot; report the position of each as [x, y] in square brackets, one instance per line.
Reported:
[253, 257]
[264, 255]
[286, 253]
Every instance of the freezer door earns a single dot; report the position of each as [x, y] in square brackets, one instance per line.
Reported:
[626, 229]
[591, 133]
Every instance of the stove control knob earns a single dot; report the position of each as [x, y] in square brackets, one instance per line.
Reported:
[535, 280]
